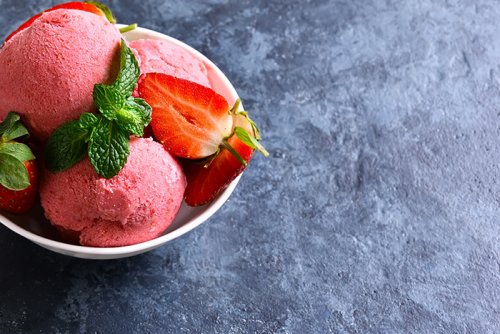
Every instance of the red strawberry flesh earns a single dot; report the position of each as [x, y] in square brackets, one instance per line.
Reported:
[206, 183]
[21, 201]
[189, 119]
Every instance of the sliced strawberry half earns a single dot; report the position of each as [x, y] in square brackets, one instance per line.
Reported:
[190, 120]
[194, 122]
[207, 181]
[91, 7]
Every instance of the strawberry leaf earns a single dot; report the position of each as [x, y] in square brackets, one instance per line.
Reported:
[235, 110]
[13, 173]
[19, 151]
[109, 148]
[249, 140]
[12, 128]
[16, 131]
[255, 129]
[106, 11]
[9, 121]
[66, 146]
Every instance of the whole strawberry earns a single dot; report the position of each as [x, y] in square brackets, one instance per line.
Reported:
[18, 170]
[88, 6]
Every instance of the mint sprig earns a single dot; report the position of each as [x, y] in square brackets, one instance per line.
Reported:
[104, 136]
[133, 115]
[129, 72]
[13, 155]
[109, 148]
[66, 146]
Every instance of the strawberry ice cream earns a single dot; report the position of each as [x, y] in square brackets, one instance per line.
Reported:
[159, 56]
[136, 205]
[48, 70]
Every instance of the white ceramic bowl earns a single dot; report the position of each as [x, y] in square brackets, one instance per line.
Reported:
[34, 227]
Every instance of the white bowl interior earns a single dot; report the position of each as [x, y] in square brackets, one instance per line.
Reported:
[36, 228]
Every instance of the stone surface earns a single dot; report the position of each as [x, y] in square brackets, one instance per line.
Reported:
[377, 212]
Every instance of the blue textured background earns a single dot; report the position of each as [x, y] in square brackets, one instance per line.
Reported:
[377, 212]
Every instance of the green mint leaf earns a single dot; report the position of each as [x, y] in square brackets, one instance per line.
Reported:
[13, 173]
[129, 72]
[107, 12]
[105, 137]
[130, 121]
[143, 107]
[66, 146]
[88, 121]
[19, 151]
[249, 140]
[12, 128]
[134, 116]
[108, 100]
[109, 148]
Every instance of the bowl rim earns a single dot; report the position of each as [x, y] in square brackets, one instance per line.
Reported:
[121, 251]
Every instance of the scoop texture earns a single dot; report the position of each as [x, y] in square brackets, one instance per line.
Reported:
[159, 56]
[48, 71]
[135, 206]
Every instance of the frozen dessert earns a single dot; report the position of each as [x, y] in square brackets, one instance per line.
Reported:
[136, 205]
[48, 70]
[88, 97]
[160, 56]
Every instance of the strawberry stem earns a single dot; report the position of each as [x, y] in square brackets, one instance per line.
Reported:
[236, 106]
[235, 153]
[128, 28]
[246, 138]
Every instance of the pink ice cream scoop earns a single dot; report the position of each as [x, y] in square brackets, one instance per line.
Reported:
[136, 205]
[161, 56]
[48, 71]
